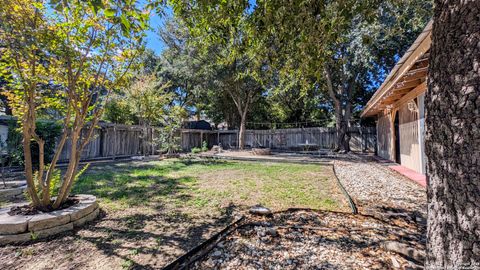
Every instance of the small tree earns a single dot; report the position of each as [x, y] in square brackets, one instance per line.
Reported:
[172, 122]
[87, 47]
[147, 99]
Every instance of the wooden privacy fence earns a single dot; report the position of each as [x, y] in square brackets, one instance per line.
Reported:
[114, 141]
[362, 139]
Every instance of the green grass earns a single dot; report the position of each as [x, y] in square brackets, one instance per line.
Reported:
[208, 187]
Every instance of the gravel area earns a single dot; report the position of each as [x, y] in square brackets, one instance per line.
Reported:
[380, 191]
[313, 240]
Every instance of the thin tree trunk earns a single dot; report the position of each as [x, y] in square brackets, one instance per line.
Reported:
[69, 174]
[27, 153]
[452, 140]
[241, 135]
[28, 129]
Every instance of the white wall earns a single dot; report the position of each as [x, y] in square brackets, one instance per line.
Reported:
[3, 135]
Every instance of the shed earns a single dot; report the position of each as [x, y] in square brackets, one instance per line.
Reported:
[398, 107]
[200, 124]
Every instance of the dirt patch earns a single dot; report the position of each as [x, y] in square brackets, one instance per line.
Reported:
[29, 209]
[130, 239]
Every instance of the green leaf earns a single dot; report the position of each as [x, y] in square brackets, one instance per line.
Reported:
[38, 5]
[125, 22]
[96, 5]
[110, 12]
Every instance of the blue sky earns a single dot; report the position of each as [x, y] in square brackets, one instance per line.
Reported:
[153, 40]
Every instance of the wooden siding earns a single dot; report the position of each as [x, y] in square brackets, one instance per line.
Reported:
[384, 137]
[421, 123]
[409, 138]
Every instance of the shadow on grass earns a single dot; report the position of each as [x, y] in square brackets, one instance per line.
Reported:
[131, 233]
[156, 233]
[137, 183]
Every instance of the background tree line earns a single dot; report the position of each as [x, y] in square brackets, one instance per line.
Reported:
[244, 62]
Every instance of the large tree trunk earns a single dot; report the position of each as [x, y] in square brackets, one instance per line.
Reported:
[343, 136]
[453, 136]
[342, 105]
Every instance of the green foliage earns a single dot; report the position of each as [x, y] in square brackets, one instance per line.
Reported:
[49, 131]
[196, 150]
[55, 184]
[286, 46]
[204, 146]
[172, 122]
[118, 110]
[33, 235]
[62, 59]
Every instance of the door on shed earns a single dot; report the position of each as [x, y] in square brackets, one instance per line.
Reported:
[410, 153]
[383, 137]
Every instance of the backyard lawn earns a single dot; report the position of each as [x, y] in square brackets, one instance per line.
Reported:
[153, 212]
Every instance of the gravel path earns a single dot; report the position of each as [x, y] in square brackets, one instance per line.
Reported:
[377, 190]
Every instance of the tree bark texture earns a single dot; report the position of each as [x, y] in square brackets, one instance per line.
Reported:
[341, 97]
[242, 102]
[241, 134]
[453, 137]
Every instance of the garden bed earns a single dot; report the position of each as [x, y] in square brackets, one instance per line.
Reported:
[19, 228]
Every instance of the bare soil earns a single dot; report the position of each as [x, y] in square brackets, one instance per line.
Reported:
[29, 209]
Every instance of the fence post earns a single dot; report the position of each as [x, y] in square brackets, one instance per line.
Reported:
[114, 143]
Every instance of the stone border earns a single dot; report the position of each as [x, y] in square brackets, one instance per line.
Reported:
[23, 228]
[14, 189]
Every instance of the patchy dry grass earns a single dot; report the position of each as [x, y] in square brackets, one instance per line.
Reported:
[153, 212]
[206, 186]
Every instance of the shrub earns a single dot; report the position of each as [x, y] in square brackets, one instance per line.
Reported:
[204, 146]
[47, 130]
[196, 150]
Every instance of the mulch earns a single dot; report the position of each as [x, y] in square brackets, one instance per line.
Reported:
[29, 209]
[305, 239]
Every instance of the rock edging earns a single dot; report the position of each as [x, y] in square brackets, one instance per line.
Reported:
[23, 228]
[12, 191]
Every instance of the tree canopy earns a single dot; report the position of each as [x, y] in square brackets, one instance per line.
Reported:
[267, 64]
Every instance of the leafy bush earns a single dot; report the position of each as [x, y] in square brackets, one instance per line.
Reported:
[196, 150]
[47, 130]
[204, 146]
